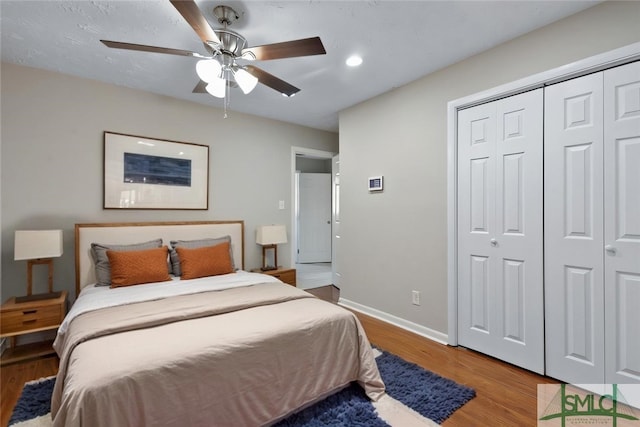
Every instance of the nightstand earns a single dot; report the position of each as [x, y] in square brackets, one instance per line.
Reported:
[287, 275]
[26, 318]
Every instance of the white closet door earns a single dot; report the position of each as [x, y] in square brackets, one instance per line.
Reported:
[500, 230]
[476, 226]
[622, 223]
[573, 234]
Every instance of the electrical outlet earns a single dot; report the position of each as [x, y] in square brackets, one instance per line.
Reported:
[415, 297]
[281, 204]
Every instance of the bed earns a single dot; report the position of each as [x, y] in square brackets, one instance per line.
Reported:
[229, 349]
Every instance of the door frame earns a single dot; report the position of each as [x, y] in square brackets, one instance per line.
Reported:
[579, 68]
[312, 152]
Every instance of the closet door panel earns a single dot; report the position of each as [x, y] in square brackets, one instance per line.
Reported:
[573, 236]
[476, 217]
[500, 229]
[623, 347]
[518, 238]
[622, 222]
[479, 283]
[579, 308]
[513, 299]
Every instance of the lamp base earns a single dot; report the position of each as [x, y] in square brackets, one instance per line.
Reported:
[266, 267]
[38, 297]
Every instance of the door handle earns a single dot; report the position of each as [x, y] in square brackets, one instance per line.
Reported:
[611, 250]
[493, 242]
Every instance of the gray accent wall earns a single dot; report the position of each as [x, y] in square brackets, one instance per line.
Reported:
[52, 162]
[395, 241]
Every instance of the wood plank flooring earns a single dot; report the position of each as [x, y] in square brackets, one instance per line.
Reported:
[506, 395]
[13, 377]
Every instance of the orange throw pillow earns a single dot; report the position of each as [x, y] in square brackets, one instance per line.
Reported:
[138, 267]
[205, 261]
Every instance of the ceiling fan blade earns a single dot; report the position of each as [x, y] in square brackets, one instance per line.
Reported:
[200, 87]
[272, 81]
[146, 48]
[190, 12]
[290, 49]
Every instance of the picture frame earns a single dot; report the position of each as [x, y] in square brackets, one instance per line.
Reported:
[150, 173]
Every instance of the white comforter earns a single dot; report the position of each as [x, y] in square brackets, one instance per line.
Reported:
[96, 297]
[245, 354]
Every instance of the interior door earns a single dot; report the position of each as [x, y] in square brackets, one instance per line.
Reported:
[622, 223]
[573, 232]
[500, 267]
[314, 217]
[335, 218]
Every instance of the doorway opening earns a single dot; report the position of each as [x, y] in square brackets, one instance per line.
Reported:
[311, 222]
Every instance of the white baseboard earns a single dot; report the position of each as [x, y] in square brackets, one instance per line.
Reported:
[423, 331]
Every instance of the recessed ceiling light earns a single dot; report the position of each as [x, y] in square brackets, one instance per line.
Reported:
[354, 61]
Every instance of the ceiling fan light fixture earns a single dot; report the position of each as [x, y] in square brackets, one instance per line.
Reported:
[354, 61]
[245, 80]
[208, 70]
[217, 87]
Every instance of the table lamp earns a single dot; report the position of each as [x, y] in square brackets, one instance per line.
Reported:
[37, 247]
[269, 236]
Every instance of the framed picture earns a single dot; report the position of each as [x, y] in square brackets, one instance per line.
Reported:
[149, 173]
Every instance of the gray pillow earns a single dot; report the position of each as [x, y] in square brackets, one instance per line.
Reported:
[101, 260]
[193, 244]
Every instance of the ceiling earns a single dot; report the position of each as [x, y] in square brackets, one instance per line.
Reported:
[399, 41]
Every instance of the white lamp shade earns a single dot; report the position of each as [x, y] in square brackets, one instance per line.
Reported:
[246, 81]
[208, 70]
[271, 235]
[36, 244]
[217, 88]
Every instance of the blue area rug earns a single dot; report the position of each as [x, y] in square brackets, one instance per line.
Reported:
[428, 394]
[34, 401]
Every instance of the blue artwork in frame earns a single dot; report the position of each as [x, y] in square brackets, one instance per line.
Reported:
[146, 169]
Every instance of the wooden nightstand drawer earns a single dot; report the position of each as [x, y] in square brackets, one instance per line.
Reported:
[31, 318]
[287, 275]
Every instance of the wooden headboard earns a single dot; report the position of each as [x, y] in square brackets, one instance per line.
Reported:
[136, 232]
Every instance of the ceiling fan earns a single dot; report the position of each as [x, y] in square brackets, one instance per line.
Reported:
[219, 68]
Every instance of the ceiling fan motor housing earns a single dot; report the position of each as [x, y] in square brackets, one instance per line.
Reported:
[232, 42]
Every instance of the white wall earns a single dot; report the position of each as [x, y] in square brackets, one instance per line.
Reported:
[396, 241]
[311, 165]
[52, 161]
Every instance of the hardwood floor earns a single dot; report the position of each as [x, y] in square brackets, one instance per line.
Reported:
[505, 395]
[13, 377]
